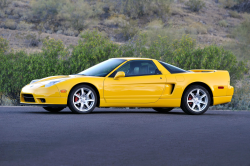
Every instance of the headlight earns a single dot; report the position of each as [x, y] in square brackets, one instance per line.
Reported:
[33, 81]
[53, 83]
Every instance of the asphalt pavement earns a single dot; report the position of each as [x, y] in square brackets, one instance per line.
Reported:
[31, 136]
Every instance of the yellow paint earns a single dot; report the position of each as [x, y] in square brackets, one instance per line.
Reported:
[136, 91]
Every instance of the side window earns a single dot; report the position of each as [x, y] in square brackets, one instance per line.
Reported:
[138, 68]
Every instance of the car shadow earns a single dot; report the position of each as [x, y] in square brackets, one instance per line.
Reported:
[123, 111]
[129, 111]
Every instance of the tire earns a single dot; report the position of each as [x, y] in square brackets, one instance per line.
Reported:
[163, 110]
[82, 99]
[196, 100]
[54, 109]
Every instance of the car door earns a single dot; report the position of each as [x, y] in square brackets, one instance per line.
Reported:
[143, 83]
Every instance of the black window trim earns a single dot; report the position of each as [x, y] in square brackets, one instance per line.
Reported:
[184, 71]
[136, 75]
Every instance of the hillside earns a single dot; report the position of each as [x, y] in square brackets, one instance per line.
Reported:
[25, 23]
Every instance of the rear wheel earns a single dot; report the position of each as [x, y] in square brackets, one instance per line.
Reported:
[82, 99]
[196, 100]
[163, 110]
[54, 109]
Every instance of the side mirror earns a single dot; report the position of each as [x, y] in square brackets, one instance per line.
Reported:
[119, 74]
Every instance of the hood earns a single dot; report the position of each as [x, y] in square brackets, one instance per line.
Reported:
[54, 78]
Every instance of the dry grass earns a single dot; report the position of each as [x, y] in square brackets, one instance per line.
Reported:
[116, 21]
[156, 24]
[196, 28]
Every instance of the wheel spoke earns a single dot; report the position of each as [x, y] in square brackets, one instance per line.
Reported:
[87, 105]
[81, 108]
[199, 107]
[77, 102]
[192, 94]
[90, 100]
[190, 101]
[202, 102]
[198, 92]
[78, 96]
[203, 96]
[89, 93]
[82, 90]
[193, 106]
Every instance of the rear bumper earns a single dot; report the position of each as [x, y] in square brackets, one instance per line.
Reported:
[230, 91]
[222, 100]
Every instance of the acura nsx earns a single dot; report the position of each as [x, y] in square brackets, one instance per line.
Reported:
[131, 82]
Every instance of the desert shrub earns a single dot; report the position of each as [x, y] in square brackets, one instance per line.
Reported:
[242, 32]
[46, 9]
[234, 14]
[240, 47]
[97, 9]
[18, 12]
[24, 26]
[2, 14]
[195, 5]
[70, 32]
[11, 24]
[4, 3]
[155, 24]
[223, 23]
[230, 3]
[118, 21]
[129, 30]
[20, 4]
[135, 9]
[152, 34]
[76, 13]
[4, 45]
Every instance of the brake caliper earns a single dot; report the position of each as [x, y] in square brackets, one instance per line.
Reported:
[76, 98]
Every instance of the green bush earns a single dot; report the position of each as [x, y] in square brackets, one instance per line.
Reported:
[92, 48]
[195, 5]
[4, 45]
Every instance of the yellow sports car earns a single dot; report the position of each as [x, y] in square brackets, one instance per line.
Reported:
[131, 82]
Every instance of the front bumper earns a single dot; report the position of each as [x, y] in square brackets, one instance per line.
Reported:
[40, 95]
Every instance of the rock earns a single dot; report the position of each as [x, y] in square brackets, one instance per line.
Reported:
[59, 32]
[49, 31]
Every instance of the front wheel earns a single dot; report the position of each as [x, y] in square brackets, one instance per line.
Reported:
[196, 100]
[163, 110]
[54, 109]
[82, 99]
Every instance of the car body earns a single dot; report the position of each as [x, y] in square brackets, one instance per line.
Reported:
[132, 82]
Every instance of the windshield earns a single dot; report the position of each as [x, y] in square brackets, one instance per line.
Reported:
[102, 69]
[172, 69]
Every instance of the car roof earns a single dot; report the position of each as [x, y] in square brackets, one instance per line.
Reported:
[133, 58]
